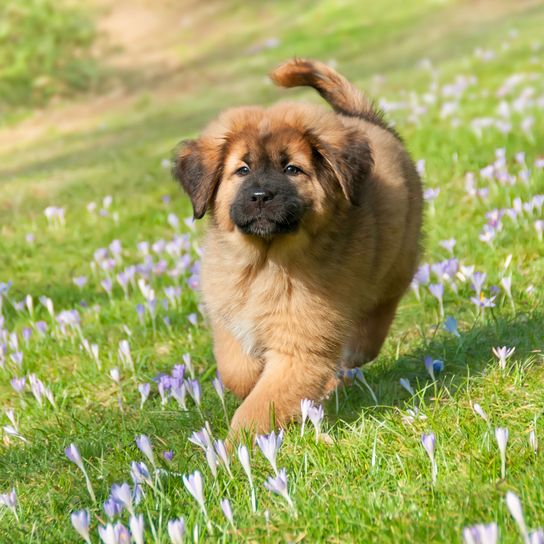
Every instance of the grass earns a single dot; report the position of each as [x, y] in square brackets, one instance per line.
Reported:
[44, 52]
[372, 482]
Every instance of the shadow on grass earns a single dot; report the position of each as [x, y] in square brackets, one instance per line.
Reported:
[469, 355]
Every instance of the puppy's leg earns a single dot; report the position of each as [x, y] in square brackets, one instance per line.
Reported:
[238, 370]
[369, 335]
[285, 381]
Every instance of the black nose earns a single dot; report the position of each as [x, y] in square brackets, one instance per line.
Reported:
[261, 196]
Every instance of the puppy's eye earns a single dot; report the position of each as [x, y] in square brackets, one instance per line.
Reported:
[292, 170]
[242, 171]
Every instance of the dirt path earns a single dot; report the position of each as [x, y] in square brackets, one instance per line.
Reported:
[138, 42]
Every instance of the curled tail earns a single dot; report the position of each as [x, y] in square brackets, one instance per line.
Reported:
[342, 95]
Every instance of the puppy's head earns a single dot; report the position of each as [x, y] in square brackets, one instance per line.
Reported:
[271, 172]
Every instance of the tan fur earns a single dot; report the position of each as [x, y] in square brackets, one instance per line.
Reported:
[285, 311]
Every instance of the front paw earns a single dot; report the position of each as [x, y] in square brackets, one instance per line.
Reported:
[252, 418]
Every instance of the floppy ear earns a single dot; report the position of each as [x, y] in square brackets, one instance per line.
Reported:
[349, 162]
[198, 169]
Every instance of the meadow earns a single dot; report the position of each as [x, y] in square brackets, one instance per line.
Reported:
[110, 409]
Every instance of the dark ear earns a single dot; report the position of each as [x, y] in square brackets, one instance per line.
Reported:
[350, 162]
[198, 170]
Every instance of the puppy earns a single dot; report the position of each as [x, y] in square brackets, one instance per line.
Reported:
[313, 237]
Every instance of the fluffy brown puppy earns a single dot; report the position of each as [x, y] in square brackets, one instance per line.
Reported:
[313, 238]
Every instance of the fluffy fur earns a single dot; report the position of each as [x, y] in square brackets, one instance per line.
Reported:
[313, 238]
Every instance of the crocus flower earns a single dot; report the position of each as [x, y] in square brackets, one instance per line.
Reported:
[73, 455]
[179, 392]
[202, 438]
[516, 511]
[144, 389]
[211, 458]
[220, 390]
[9, 500]
[480, 411]
[316, 414]
[243, 457]
[269, 446]
[227, 511]
[405, 383]
[124, 354]
[533, 441]
[536, 537]
[194, 390]
[18, 384]
[503, 353]
[428, 441]
[448, 244]
[80, 281]
[123, 494]
[506, 284]
[483, 302]
[193, 319]
[478, 279]
[433, 366]
[144, 445]
[278, 485]
[140, 473]
[168, 455]
[437, 290]
[108, 534]
[450, 325]
[112, 507]
[481, 534]
[81, 520]
[221, 450]
[193, 484]
[136, 524]
[360, 377]
[115, 375]
[501, 434]
[176, 530]
[305, 405]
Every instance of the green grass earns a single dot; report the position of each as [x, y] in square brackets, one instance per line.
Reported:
[44, 52]
[372, 483]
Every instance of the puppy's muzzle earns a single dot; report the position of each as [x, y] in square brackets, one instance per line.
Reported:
[267, 209]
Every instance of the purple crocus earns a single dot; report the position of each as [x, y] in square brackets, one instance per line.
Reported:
[202, 438]
[144, 445]
[221, 451]
[81, 521]
[18, 384]
[9, 500]
[269, 446]
[72, 453]
[113, 507]
[136, 524]
[80, 281]
[243, 457]
[194, 390]
[501, 435]
[193, 484]
[227, 511]
[123, 494]
[144, 389]
[176, 530]
[428, 441]
[437, 290]
[503, 354]
[478, 280]
[450, 325]
[481, 534]
[278, 485]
